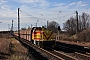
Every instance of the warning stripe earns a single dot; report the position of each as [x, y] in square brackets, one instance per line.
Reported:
[46, 36]
[37, 35]
[50, 35]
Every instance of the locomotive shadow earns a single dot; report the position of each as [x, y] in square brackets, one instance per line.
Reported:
[63, 50]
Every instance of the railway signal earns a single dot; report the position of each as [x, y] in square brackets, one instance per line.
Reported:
[59, 32]
[59, 28]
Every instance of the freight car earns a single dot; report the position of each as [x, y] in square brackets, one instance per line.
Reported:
[42, 37]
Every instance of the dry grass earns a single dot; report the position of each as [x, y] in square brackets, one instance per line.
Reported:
[84, 36]
[12, 49]
[17, 46]
[18, 52]
[82, 39]
[4, 45]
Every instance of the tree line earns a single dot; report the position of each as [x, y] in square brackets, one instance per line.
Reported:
[83, 23]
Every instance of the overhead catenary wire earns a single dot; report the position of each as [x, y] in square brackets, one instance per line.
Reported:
[30, 15]
[63, 16]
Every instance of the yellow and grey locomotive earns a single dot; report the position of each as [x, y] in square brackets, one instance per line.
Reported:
[42, 37]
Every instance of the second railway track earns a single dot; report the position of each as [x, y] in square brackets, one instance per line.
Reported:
[79, 54]
[76, 55]
[63, 55]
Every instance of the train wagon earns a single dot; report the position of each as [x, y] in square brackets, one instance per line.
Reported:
[42, 37]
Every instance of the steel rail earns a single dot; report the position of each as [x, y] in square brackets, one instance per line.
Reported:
[64, 56]
[82, 55]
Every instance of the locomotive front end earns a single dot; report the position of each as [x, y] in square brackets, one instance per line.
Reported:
[42, 37]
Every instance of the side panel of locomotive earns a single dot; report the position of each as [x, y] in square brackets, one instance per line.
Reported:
[42, 37]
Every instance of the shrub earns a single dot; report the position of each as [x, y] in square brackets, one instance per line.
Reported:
[84, 36]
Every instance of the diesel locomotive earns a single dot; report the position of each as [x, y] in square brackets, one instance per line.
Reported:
[42, 37]
[39, 36]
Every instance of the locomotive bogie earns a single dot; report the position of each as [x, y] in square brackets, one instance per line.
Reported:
[44, 44]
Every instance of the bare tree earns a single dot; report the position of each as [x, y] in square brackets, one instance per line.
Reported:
[66, 26]
[70, 25]
[85, 20]
[53, 26]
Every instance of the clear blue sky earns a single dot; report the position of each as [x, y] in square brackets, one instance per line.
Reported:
[40, 11]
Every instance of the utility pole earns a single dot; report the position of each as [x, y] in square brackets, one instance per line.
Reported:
[47, 24]
[31, 25]
[26, 34]
[18, 24]
[58, 32]
[12, 25]
[36, 24]
[8, 27]
[76, 22]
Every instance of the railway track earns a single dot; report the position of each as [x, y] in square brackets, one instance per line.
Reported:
[88, 53]
[57, 55]
[83, 56]
[79, 54]
[76, 48]
[63, 55]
